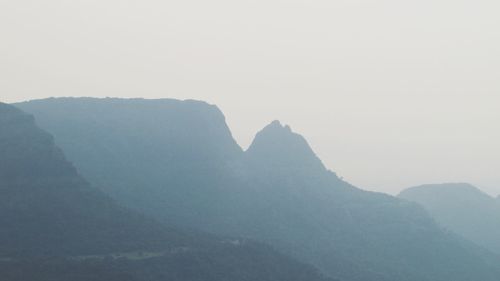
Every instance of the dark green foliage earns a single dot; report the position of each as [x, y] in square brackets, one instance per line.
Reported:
[177, 161]
[461, 208]
[246, 262]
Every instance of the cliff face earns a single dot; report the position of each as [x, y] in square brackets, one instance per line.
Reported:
[136, 149]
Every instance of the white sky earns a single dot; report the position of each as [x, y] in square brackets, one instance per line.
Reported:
[390, 93]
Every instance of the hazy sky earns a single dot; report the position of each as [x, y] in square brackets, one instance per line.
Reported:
[389, 93]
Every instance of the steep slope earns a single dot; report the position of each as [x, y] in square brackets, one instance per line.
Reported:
[345, 230]
[46, 208]
[278, 192]
[55, 226]
[463, 209]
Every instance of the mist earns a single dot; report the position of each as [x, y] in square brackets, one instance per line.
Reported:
[389, 94]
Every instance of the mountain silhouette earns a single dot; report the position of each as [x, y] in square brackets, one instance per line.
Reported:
[462, 208]
[55, 226]
[277, 191]
[276, 146]
[47, 208]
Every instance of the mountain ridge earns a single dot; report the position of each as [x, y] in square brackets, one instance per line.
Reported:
[55, 226]
[266, 194]
[462, 208]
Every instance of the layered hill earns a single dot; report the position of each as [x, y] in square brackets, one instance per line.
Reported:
[56, 226]
[461, 208]
[278, 191]
[47, 208]
[341, 228]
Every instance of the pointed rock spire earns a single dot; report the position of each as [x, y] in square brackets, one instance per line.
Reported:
[278, 145]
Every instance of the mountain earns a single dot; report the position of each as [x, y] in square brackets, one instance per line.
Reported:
[461, 208]
[278, 191]
[342, 229]
[56, 226]
[272, 147]
[47, 208]
[121, 143]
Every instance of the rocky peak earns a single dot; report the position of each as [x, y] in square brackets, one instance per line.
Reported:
[278, 145]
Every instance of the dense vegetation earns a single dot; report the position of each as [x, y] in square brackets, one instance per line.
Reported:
[55, 226]
[249, 262]
[178, 162]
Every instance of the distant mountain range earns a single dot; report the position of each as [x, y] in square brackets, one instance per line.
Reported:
[461, 208]
[54, 226]
[176, 161]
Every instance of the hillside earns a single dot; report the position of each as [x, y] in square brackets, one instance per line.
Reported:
[55, 226]
[278, 191]
[461, 208]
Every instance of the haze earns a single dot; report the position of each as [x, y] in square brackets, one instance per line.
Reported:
[390, 94]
